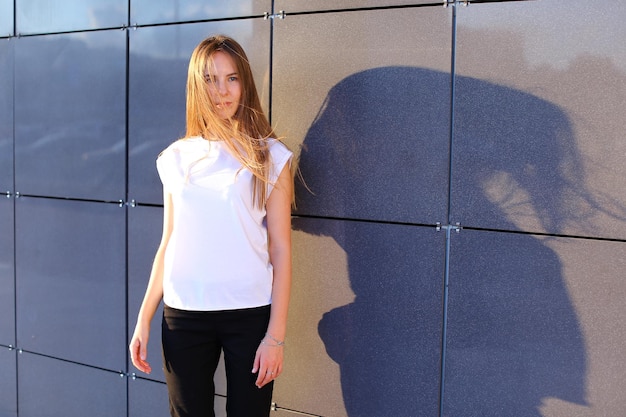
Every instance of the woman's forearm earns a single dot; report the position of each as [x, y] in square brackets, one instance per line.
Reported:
[281, 291]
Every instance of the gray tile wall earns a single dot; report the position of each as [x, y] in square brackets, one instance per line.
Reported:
[458, 245]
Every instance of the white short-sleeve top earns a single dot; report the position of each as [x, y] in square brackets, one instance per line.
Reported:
[217, 255]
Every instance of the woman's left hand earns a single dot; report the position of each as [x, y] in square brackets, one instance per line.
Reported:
[268, 362]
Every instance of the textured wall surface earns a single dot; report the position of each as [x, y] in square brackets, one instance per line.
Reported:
[459, 245]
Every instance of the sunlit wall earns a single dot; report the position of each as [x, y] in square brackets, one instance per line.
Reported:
[459, 230]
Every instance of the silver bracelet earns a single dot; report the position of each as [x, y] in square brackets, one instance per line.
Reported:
[278, 342]
[263, 342]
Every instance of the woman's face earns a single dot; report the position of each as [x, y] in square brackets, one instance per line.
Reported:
[223, 84]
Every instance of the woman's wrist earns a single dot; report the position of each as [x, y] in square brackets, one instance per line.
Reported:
[270, 340]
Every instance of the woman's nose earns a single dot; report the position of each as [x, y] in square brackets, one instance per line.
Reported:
[221, 87]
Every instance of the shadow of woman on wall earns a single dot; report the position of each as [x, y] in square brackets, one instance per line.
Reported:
[377, 163]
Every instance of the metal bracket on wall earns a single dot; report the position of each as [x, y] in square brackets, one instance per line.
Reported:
[280, 15]
[130, 375]
[276, 407]
[131, 203]
[456, 227]
[453, 3]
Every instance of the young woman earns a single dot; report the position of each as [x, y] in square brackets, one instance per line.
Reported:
[223, 267]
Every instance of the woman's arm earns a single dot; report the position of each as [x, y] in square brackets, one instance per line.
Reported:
[153, 296]
[269, 358]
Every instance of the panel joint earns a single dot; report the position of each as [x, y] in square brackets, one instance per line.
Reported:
[454, 3]
[271, 16]
[448, 227]
[131, 203]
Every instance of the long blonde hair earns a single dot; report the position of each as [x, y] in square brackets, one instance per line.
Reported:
[246, 134]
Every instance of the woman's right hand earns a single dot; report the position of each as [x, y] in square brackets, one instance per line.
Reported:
[139, 348]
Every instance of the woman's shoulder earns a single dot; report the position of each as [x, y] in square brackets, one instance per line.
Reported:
[183, 146]
[278, 148]
[280, 156]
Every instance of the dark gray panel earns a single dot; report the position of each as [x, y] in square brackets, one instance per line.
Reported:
[7, 273]
[220, 406]
[158, 72]
[165, 11]
[6, 17]
[514, 336]
[145, 225]
[291, 6]
[8, 382]
[50, 388]
[34, 16]
[69, 115]
[6, 116]
[365, 320]
[147, 398]
[537, 144]
[594, 274]
[507, 150]
[368, 108]
[70, 268]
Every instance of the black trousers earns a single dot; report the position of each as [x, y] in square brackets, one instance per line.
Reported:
[192, 345]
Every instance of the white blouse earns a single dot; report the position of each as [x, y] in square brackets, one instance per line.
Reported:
[217, 256]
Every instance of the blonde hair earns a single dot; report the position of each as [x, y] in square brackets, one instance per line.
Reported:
[246, 134]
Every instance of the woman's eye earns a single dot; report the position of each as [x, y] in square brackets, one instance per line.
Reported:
[208, 79]
[232, 79]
